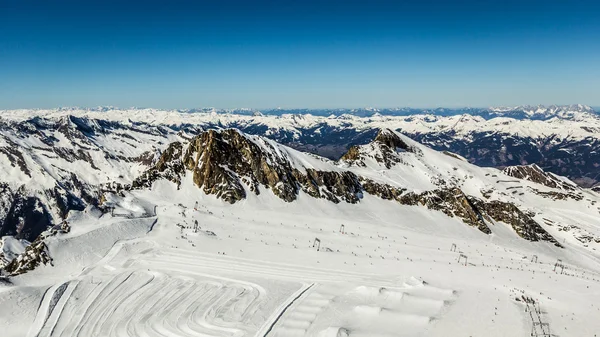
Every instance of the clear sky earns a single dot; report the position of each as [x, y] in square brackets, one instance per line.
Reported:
[262, 54]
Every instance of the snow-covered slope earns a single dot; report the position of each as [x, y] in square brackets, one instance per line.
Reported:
[228, 234]
[52, 166]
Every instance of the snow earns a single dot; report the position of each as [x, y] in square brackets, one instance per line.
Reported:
[180, 283]
[237, 282]
[11, 247]
[251, 269]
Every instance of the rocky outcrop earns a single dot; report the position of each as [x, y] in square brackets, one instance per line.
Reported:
[353, 156]
[391, 140]
[333, 186]
[384, 191]
[537, 175]
[523, 224]
[472, 211]
[227, 163]
[452, 202]
[169, 166]
[557, 195]
[221, 161]
[34, 255]
[21, 215]
[384, 149]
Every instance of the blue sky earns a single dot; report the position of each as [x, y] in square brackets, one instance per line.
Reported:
[262, 54]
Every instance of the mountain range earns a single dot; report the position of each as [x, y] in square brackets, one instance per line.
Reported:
[560, 139]
[167, 223]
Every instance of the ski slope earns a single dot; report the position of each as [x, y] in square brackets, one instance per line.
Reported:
[251, 270]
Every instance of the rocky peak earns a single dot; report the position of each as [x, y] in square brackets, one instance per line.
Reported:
[227, 164]
[384, 149]
[390, 139]
[221, 160]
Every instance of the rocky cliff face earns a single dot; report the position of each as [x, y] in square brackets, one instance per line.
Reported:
[522, 223]
[227, 164]
[169, 166]
[221, 161]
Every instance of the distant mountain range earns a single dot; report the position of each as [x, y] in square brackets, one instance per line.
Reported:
[564, 140]
[537, 112]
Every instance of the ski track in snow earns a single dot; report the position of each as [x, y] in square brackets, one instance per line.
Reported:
[196, 304]
[271, 282]
[122, 299]
[127, 305]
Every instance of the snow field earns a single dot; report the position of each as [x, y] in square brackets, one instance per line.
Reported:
[251, 270]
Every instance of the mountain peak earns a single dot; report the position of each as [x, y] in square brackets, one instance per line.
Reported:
[391, 139]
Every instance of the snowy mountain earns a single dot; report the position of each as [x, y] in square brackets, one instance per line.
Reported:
[62, 160]
[228, 164]
[563, 140]
[540, 112]
[169, 223]
[52, 166]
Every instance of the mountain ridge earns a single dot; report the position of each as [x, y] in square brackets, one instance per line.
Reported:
[228, 163]
[568, 147]
[66, 165]
[519, 111]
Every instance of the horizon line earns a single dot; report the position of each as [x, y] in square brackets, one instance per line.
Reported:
[304, 108]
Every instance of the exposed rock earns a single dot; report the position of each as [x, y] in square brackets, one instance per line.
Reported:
[34, 255]
[390, 139]
[332, 186]
[221, 163]
[65, 201]
[384, 149]
[23, 216]
[169, 166]
[384, 191]
[219, 159]
[452, 202]
[522, 223]
[556, 195]
[537, 175]
[353, 156]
